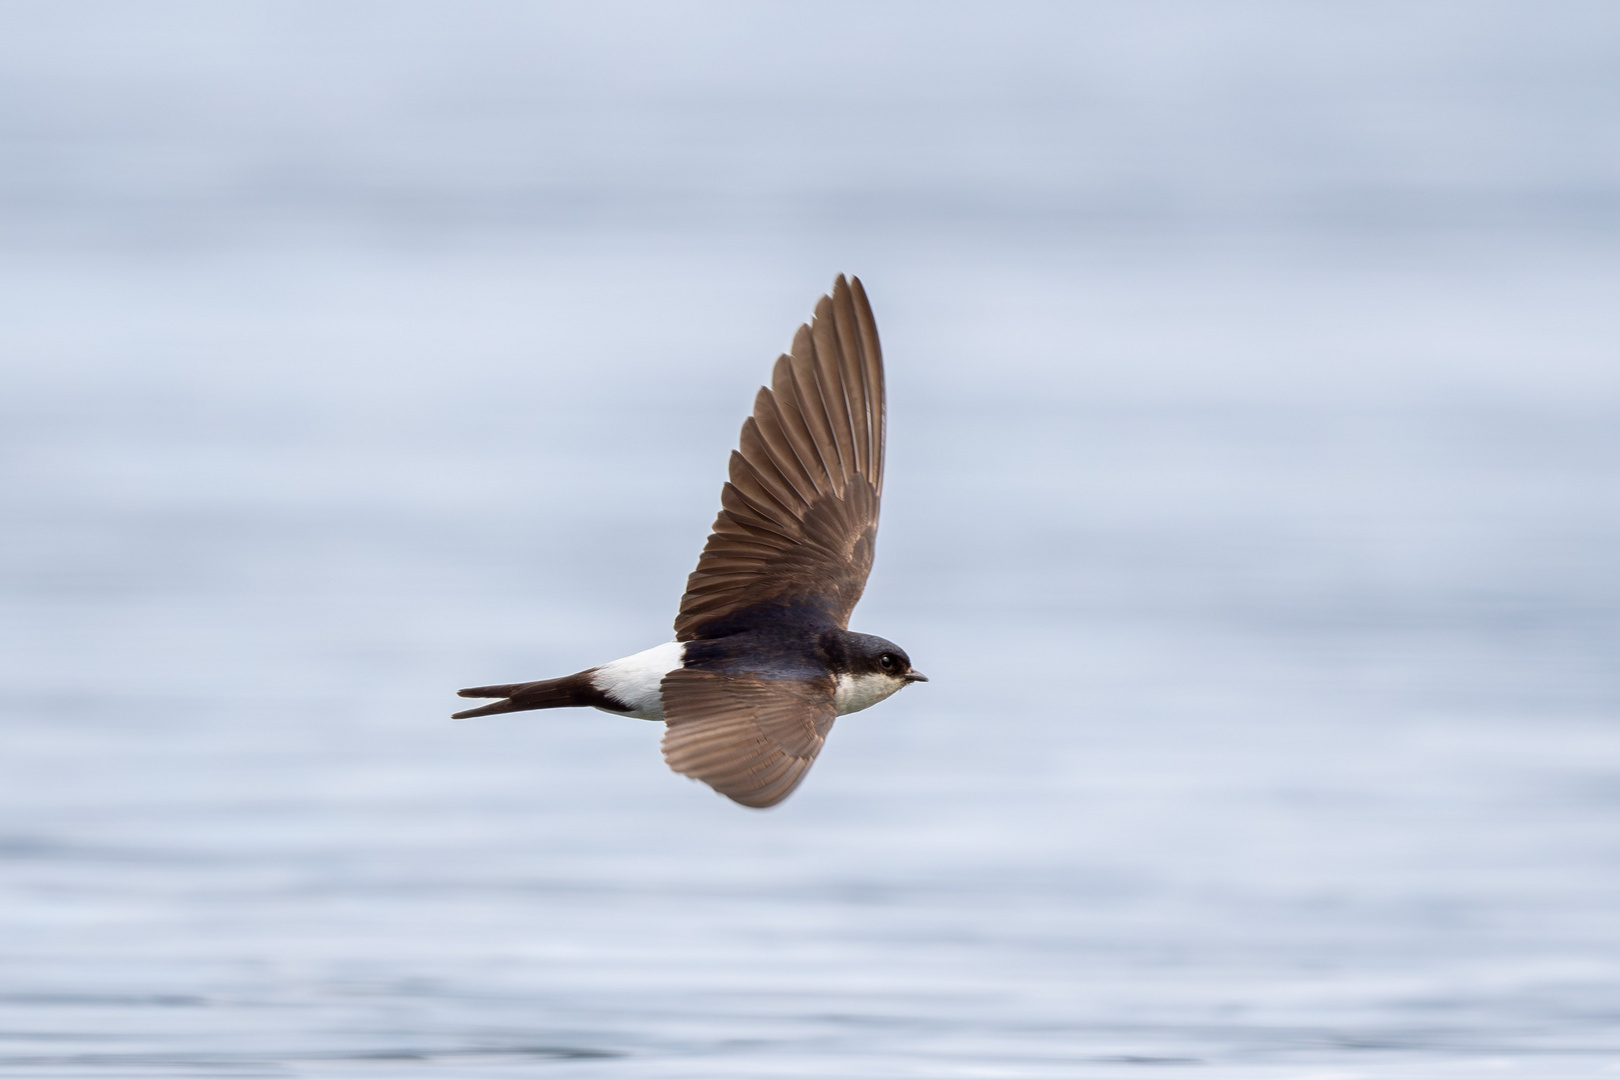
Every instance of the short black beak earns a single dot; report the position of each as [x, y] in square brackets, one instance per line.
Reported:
[914, 676]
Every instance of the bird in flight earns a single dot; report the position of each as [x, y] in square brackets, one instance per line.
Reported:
[763, 659]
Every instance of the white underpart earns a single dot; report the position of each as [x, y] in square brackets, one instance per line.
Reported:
[856, 692]
[635, 680]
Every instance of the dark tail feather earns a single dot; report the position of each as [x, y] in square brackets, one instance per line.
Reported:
[495, 691]
[546, 694]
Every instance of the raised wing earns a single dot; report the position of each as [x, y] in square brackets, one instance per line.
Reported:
[750, 738]
[799, 516]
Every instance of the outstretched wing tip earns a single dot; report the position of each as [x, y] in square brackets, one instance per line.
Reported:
[741, 800]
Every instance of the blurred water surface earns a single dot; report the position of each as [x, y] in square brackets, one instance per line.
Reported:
[1255, 435]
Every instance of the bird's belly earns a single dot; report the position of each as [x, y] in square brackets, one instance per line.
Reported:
[635, 681]
[856, 692]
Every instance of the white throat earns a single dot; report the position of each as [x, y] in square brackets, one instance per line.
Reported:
[856, 692]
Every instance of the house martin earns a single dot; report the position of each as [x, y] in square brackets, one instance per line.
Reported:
[763, 659]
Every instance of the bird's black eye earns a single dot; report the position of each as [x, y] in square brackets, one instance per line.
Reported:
[887, 662]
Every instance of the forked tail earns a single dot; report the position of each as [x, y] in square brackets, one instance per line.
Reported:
[568, 691]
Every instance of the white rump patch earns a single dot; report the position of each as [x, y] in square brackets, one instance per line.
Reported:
[856, 692]
[635, 680]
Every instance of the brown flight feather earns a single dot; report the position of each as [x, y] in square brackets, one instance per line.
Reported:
[799, 515]
[749, 737]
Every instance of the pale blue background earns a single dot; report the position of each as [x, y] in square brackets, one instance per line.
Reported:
[1254, 501]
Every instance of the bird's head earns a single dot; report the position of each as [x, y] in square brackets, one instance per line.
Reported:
[869, 669]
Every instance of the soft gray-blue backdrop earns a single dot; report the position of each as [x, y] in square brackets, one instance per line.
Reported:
[1254, 503]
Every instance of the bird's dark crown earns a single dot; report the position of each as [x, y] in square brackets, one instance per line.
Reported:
[863, 654]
